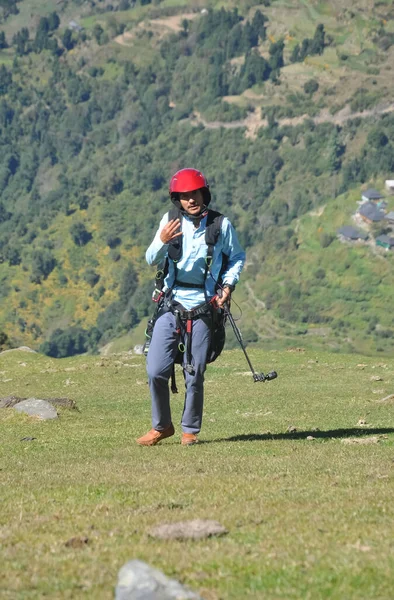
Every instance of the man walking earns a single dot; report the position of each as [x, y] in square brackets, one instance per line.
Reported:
[199, 281]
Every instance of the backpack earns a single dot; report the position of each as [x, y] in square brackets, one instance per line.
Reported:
[218, 333]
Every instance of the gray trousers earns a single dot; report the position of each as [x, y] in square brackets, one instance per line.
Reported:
[162, 351]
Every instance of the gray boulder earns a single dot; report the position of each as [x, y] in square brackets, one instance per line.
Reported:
[37, 408]
[138, 581]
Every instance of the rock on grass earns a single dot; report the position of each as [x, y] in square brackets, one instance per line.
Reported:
[35, 407]
[139, 581]
[195, 529]
[11, 401]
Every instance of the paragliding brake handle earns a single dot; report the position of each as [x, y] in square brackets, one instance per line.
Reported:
[261, 377]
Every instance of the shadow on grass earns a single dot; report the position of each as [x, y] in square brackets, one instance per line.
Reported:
[302, 435]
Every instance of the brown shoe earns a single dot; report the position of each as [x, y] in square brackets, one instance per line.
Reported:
[189, 439]
[153, 436]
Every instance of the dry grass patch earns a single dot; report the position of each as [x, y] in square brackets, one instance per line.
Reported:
[159, 27]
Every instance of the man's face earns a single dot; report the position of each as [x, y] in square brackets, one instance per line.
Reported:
[192, 202]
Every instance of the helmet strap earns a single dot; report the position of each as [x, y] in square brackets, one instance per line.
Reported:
[196, 218]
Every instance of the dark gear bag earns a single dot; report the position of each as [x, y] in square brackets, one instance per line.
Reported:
[218, 335]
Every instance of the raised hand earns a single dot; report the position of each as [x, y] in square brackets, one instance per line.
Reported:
[170, 231]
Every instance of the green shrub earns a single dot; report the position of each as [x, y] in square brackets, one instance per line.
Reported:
[319, 273]
[79, 234]
[364, 99]
[43, 263]
[311, 86]
[91, 277]
[4, 341]
[113, 240]
[66, 342]
[115, 255]
[249, 336]
[326, 239]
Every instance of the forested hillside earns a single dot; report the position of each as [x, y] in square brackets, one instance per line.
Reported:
[286, 106]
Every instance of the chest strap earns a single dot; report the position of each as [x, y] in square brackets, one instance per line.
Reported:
[212, 233]
[191, 286]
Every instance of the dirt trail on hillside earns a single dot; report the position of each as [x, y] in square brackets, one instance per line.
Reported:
[253, 121]
[125, 38]
[160, 26]
[175, 22]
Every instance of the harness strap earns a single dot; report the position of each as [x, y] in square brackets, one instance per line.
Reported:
[212, 232]
[184, 319]
[184, 314]
[174, 388]
[189, 366]
[192, 286]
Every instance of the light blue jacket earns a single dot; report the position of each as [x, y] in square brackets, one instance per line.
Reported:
[191, 266]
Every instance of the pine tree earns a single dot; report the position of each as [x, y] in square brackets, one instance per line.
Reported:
[67, 40]
[234, 42]
[295, 55]
[5, 80]
[249, 37]
[276, 55]
[3, 41]
[53, 21]
[41, 40]
[258, 24]
[317, 44]
[305, 49]
[21, 40]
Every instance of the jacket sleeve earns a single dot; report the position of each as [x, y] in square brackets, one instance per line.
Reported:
[157, 250]
[235, 253]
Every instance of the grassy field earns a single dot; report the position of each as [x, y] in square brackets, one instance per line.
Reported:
[306, 518]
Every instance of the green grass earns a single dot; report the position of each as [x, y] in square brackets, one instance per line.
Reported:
[25, 12]
[324, 8]
[177, 3]
[112, 71]
[306, 518]
[361, 62]
[6, 58]
[314, 15]
[283, 4]
[89, 22]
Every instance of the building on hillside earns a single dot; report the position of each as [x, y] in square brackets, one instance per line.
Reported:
[389, 185]
[75, 26]
[390, 217]
[384, 241]
[370, 213]
[371, 195]
[349, 233]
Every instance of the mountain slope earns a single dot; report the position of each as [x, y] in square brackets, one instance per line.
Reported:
[96, 116]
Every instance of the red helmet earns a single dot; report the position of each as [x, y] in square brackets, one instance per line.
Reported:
[188, 180]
